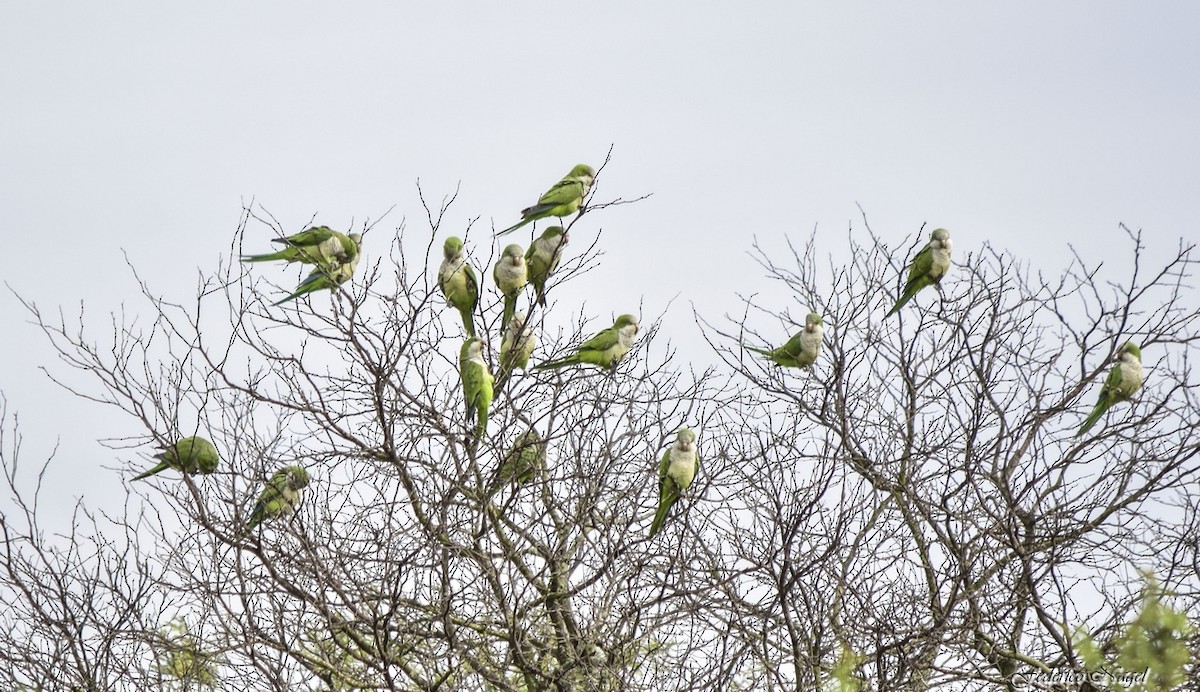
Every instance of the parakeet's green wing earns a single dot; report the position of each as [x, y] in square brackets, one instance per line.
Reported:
[472, 285]
[918, 278]
[349, 247]
[602, 341]
[268, 503]
[922, 265]
[312, 236]
[472, 389]
[1112, 385]
[562, 192]
[1110, 394]
[161, 466]
[315, 281]
[668, 494]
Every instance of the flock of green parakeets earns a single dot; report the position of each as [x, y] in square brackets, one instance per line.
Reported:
[336, 255]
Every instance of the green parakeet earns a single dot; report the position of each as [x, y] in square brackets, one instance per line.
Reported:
[511, 275]
[476, 383]
[317, 245]
[801, 350]
[328, 276]
[679, 465]
[190, 455]
[563, 199]
[457, 281]
[1123, 382]
[281, 495]
[518, 344]
[606, 349]
[927, 268]
[542, 259]
[521, 463]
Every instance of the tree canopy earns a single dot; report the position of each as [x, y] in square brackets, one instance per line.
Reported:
[911, 509]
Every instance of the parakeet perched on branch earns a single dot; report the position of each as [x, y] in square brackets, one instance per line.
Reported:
[476, 384]
[605, 349]
[280, 497]
[511, 275]
[1124, 380]
[801, 350]
[679, 465]
[563, 199]
[190, 455]
[458, 283]
[317, 245]
[927, 268]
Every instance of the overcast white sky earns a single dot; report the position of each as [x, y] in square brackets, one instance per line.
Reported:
[142, 127]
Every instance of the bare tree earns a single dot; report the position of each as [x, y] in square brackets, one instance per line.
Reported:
[915, 506]
[965, 530]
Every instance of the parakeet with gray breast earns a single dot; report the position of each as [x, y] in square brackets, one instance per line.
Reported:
[802, 349]
[317, 245]
[1124, 380]
[927, 268]
[477, 384]
[190, 455]
[676, 471]
[457, 280]
[327, 276]
[542, 258]
[511, 274]
[605, 349]
[562, 199]
[281, 495]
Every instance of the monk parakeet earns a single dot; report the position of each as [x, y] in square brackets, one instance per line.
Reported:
[511, 275]
[458, 283]
[317, 245]
[1123, 382]
[927, 268]
[606, 349]
[801, 350]
[190, 455]
[561, 200]
[518, 344]
[328, 276]
[542, 259]
[281, 495]
[521, 463]
[476, 383]
[678, 467]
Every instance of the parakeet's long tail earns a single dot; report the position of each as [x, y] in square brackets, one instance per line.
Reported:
[293, 296]
[311, 284]
[263, 258]
[660, 517]
[514, 227]
[510, 308]
[257, 516]
[759, 351]
[468, 323]
[550, 365]
[900, 303]
[161, 466]
[1092, 419]
[535, 211]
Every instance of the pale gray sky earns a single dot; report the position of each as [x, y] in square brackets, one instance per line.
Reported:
[144, 126]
